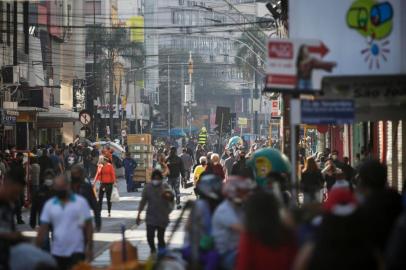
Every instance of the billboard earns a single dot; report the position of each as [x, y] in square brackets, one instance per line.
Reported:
[364, 37]
[136, 33]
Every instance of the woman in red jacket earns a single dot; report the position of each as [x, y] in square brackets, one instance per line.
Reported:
[107, 177]
[267, 242]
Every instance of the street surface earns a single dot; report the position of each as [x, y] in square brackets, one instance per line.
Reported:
[123, 212]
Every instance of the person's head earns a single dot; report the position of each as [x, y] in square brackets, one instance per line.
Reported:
[268, 229]
[102, 160]
[199, 146]
[209, 187]
[215, 159]
[346, 160]
[51, 151]
[242, 153]
[372, 176]
[184, 150]
[358, 156]
[334, 155]
[310, 165]
[156, 178]
[49, 176]
[61, 187]
[20, 156]
[128, 155]
[209, 154]
[237, 189]
[12, 186]
[77, 174]
[203, 161]
[172, 151]
[302, 55]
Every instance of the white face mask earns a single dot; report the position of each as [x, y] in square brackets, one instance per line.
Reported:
[48, 182]
[156, 183]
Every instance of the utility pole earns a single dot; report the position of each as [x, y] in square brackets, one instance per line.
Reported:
[183, 97]
[190, 71]
[94, 96]
[111, 78]
[169, 101]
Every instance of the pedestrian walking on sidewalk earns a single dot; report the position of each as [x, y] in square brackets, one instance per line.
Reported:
[81, 186]
[129, 166]
[72, 232]
[107, 177]
[176, 169]
[159, 198]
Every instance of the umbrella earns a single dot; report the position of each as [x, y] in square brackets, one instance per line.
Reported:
[177, 132]
[116, 147]
[234, 142]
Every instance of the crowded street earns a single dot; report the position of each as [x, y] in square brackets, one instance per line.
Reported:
[202, 135]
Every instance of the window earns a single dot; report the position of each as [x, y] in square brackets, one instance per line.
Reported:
[181, 2]
[90, 10]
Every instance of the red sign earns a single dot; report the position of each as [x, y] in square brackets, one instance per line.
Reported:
[275, 112]
[281, 50]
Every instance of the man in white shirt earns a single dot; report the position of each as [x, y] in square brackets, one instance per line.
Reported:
[72, 232]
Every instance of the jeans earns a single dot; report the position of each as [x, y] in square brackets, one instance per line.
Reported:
[130, 182]
[151, 237]
[66, 263]
[108, 188]
[174, 183]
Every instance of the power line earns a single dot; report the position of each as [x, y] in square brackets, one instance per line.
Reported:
[151, 27]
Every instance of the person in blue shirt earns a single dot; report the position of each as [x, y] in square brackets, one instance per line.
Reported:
[129, 166]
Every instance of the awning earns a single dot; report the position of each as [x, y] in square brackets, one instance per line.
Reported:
[29, 109]
[58, 114]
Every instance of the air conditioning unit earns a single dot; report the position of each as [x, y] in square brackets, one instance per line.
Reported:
[10, 74]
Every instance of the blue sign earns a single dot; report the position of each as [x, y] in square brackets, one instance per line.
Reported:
[322, 112]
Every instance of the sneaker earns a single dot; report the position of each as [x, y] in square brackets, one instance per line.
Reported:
[179, 206]
[109, 215]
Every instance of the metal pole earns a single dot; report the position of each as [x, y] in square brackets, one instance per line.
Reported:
[111, 95]
[169, 101]
[182, 97]
[94, 95]
[252, 110]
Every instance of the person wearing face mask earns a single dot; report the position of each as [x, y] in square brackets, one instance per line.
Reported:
[69, 216]
[81, 187]
[160, 200]
[228, 219]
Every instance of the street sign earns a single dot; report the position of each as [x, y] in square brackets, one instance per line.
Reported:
[322, 112]
[275, 111]
[85, 117]
[242, 121]
[292, 63]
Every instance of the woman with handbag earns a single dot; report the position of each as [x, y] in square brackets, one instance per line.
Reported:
[107, 177]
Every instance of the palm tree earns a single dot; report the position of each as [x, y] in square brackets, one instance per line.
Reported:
[109, 45]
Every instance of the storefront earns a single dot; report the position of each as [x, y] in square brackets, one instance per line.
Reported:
[8, 120]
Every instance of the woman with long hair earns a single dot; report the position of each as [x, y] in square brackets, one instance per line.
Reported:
[107, 177]
[312, 181]
[267, 242]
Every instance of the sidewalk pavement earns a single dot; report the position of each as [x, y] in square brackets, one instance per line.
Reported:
[137, 234]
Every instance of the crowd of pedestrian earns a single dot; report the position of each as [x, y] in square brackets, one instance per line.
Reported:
[247, 214]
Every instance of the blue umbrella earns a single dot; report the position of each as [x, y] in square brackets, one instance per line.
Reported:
[177, 132]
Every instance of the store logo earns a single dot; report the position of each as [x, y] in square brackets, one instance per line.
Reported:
[373, 21]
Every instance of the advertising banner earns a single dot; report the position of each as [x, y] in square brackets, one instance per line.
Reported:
[364, 37]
